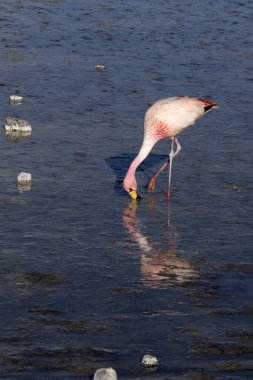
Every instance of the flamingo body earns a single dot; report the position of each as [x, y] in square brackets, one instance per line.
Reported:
[165, 118]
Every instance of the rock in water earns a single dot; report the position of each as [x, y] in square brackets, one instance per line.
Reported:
[24, 182]
[105, 374]
[24, 177]
[149, 361]
[16, 98]
[12, 125]
[99, 67]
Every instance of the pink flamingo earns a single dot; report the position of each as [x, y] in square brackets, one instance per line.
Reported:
[165, 118]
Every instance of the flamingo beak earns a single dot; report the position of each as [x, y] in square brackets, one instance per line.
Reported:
[133, 194]
[210, 105]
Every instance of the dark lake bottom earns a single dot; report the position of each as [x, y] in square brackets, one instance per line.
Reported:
[88, 277]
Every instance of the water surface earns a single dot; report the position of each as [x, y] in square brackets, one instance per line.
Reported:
[89, 278]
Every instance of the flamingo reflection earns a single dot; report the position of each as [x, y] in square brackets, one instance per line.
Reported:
[159, 269]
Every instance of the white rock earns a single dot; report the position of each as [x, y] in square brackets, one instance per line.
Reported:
[16, 98]
[99, 67]
[105, 374]
[149, 361]
[24, 177]
[13, 124]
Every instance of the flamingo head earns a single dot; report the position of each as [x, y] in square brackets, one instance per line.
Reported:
[130, 185]
[208, 105]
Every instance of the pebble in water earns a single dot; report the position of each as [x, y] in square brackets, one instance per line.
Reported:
[16, 98]
[99, 68]
[149, 361]
[13, 124]
[105, 374]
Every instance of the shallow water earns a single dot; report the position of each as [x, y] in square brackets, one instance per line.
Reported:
[89, 278]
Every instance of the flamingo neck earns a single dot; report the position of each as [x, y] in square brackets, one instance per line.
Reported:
[143, 153]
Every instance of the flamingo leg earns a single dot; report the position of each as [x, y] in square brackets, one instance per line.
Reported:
[171, 155]
[153, 179]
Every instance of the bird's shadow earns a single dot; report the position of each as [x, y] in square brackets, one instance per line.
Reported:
[120, 165]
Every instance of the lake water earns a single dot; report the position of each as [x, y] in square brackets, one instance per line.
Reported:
[90, 279]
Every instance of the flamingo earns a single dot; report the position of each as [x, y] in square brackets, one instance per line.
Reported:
[165, 118]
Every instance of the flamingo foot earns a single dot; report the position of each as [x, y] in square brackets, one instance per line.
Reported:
[151, 185]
